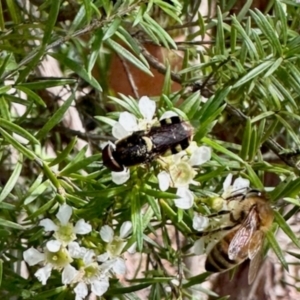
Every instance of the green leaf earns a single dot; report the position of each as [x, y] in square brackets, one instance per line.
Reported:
[276, 248]
[11, 182]
[44, 84]
[253, 73]
[78, 69]
[254, 178]
[1, 271]
[126, 290]
[18, 146]
[31, 95]
[245, 37]
[128, 56]
[36, 192]
[246, 140]
[254, 145]
[64, 154]
[112, 28]
[288, 128]
[51, 176]
[43, 209]
[88, 10]
[172, 215]
[9, 224]
[18, 130]
[137, 218]
[71, 168]
[268, 31]
[220, 40]
[51, 21]
[55, 119]
[280, 12]
[286, 228]
[274, 67]
[221, 149]
[4, 109]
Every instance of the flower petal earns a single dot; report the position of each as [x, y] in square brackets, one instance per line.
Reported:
[199, 248]
[48, 225]
[186, 199]
[75, 250]
[82, 227]
[163, 180]
[53, 245]
[33, 256]
[68, 274]
[168, 114]
[64, 214]
[119, 132]
[43, 274]
[119, 266]
[240, 184]
[99, 287]
[120, 177]
[89, 257]
[103, 257]
[128, 121]
[125, 229]
[106, 233]
[132, 248]
[200, 156]
[200, 222]
[227, 182]
[147, 107]
[81, 291]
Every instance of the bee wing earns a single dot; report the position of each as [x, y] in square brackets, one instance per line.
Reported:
[239, 245]
[255, 254]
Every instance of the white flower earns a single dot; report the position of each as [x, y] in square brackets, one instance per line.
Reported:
[90, 273]
[120, 177]
[200, 222]
[240, 185]
[181, 173]
[128, 122]
[65, 232]
[59, 260]
[114, 247]
[115, 244]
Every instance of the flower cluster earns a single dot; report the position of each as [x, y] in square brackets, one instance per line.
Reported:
[178, 170]
[79, 266]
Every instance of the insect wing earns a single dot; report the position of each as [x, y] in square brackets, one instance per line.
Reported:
[174, 137]
[239, 245]
[255, 254]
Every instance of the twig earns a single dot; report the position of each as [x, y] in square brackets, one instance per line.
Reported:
[130, 77]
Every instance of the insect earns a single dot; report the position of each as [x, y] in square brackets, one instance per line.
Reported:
[171, 136]
[250, 217]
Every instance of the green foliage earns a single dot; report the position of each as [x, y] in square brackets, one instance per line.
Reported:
[240, 90]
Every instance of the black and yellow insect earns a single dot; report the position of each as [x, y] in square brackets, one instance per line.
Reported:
[171, 136]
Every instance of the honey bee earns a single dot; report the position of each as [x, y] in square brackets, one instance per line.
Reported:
[250, 216]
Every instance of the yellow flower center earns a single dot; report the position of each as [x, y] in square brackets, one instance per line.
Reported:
[182, 174]
[60, 258]
[65, 233]
[115, 247]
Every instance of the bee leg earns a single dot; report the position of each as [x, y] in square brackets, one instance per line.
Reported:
[219, 213]
[203, 233]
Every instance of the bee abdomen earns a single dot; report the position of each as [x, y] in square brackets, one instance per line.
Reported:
[218, 260]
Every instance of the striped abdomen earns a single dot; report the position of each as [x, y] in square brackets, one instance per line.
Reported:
[218, 260]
